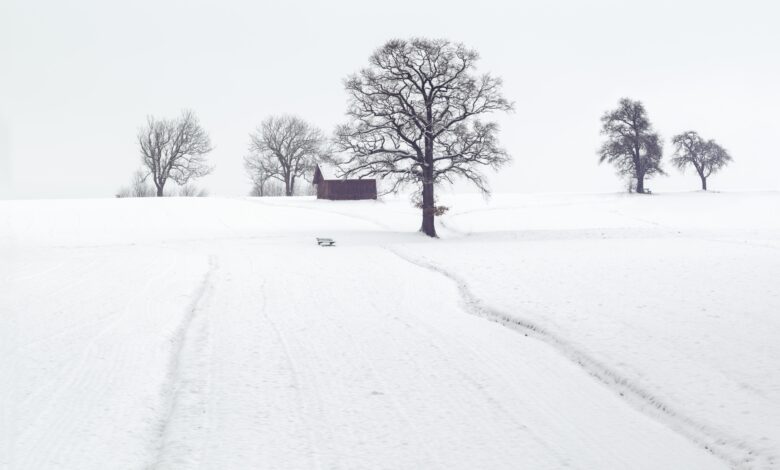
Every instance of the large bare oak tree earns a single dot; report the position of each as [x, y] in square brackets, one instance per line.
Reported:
[706, 156]
[175, 149]
[631, 145]
[283, 148]
[414, 119]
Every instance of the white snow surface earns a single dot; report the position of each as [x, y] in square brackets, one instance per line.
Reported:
[540, 331]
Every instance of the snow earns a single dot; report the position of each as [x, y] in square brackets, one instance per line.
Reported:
[540, 331]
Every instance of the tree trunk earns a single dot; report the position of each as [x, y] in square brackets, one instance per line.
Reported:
[428, 222]
[428, 200]
[703, 182]
[640, 184]
[159, 191]
[287, 188]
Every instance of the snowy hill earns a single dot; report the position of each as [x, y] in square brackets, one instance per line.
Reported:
[544, 332]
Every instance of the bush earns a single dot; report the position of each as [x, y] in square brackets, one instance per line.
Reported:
[438, 210]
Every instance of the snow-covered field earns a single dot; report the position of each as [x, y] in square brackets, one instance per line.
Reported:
[539, 332]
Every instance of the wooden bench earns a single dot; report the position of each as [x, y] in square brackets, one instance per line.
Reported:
[326, 242]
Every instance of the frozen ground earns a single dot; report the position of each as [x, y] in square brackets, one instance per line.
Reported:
[544, 332]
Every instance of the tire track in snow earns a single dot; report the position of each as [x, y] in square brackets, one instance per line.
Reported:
[384, 384]
[434, 335]
[57, 385]
[302, 416]
[183, 391]
[734, 451]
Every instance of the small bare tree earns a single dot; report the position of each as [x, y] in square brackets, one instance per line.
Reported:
[256, 168]
[138, 187]
[283, 148]
[414, 119]
[632, 145]
[175, 149]
[268, 189]
[706, 156]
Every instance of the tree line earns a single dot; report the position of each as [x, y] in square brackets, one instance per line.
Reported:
[414, 118]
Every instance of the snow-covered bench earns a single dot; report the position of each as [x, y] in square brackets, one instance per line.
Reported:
[326, 242]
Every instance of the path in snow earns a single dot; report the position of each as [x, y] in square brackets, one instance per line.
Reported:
[735, 451]
[186, 386]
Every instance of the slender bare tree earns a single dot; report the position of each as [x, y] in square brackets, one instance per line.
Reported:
[414, 119]
[175, 149]
[632, 145]
[271, 188]
[256, 167]
[706, 156]
[138, 186]
[283, 148]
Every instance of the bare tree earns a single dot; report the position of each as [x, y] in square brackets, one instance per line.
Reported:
[269, 189]
[256, 166]
[632, 145]
[283, 148]
[175, 149]
[414, 119]
[138, 186]
[706, 156]
[266, 189]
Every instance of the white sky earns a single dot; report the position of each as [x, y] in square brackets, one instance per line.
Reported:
[77, 79]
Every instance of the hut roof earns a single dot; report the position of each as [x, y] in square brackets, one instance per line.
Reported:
[328, 173]
[317, 179]
[323, 172]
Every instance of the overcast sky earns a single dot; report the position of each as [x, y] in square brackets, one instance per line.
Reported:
[79, 77]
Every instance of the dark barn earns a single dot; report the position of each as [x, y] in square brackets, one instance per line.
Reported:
[343, 190]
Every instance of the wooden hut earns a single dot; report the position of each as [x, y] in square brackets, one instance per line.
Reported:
[343, 190]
